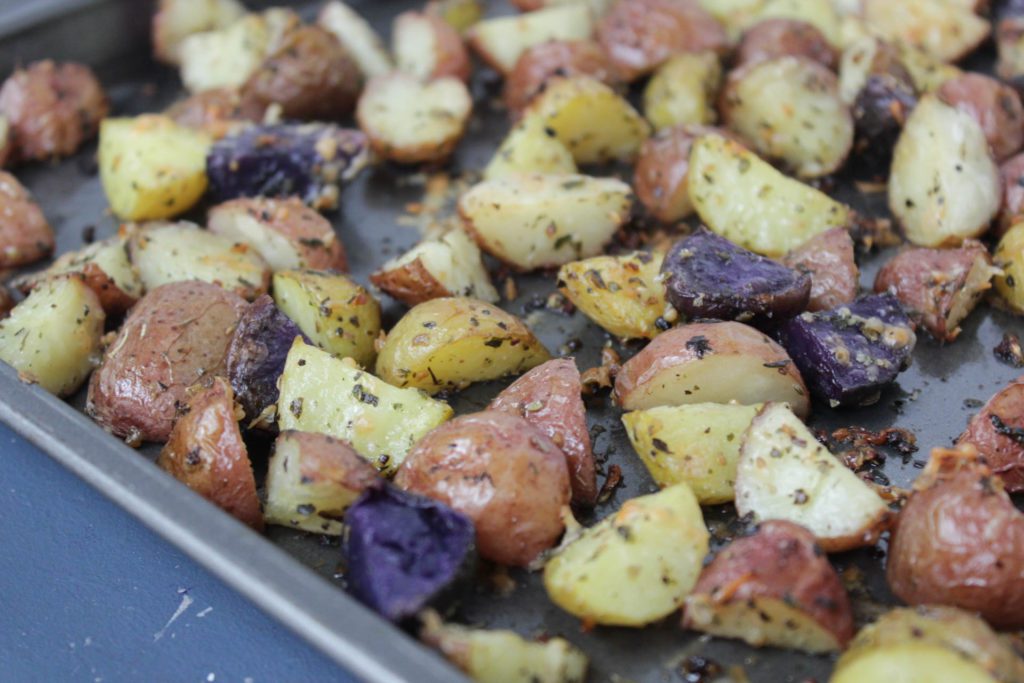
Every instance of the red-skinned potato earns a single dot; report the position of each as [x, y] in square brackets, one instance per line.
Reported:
[549, 398]
[501, 472]
[828, 258]
[774, 587]
[206, 453]
[773, 38]
[554, 58]
[25, 235]
[994, 105]
[997, 432]
[960, 541]
[1012, 209]
[638, 35]
[428, 47]
[217, 112]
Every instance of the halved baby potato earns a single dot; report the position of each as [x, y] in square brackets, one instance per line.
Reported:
[499, 41]
[25, 234]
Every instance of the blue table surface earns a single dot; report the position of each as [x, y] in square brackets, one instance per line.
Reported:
[87, 593]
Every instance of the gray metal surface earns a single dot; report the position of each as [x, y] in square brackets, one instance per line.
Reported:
[931, 400]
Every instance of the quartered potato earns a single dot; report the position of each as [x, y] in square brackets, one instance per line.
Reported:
[335, 313]
[25, 234]
[994, 105]
[530, 148]
[683, 90]
[696, 444]
[428, 47]
[501, 40]
[828, 258]
[176, 20]
[321, 393]
[634, 567]
[785, 473]
[52, 338]
[538, 221]
[357, 37]
[742, 198]
[171, 252]
[779, 37]
[311, 480]
[537, 65]
[714, 362]
[450, 343]
[623, 294]
[945, 30]
[993, 432]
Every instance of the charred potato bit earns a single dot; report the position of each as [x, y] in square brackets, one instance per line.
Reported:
[358, 38]
[773, 38]
[828, 258]
[997, 432]
[994, 105]
[428, 47]
[25, 234]
[176, 20]
[500, 41]
[683, 90]
[541, 62]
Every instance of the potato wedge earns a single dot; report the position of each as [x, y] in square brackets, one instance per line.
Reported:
[696, 444]
[683, 90]
[52, 338]
[774, 587]
[450, 343]
[710, 363]
[530, 148]
[501, 40]
[785, 473]
[742, 198]
[172, 252]
[321, 393]
[623, 294]
[411, 122]
[311, 480]
[945, 30]
[538, 221]
[357, 36]
[151, 167]
[176, 20]
[25, 234]
[428, 47]
[336, 314]
[635, 566]
[944, 186]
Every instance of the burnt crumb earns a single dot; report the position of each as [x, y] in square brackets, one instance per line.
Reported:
[901, 440]
[1009, 351]
[1003, 429]
[699, 345]
[700, 669]
[611, 482]
[89, 234]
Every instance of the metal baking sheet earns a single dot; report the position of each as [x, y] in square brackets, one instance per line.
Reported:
[934, 399]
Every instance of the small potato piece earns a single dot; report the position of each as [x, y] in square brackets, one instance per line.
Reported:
[337, 314]
[450, 343]
[635, 566]
[321, 393]
[591, 119]
[778, 572]
[530, 148]
[311, 480]
[828, 258]
[696, 444]
[945, 30]
[176, 20]
[52, 109]
[549, 398]
[623, 294]
[639, 35]
[742, 198]
[944, 186]
[771, 38]
[171, 252]
[25, 234]
[824, 15]
[710, 363]
[427, 47]
[285, 232]
[501, 40]
[538, 221]
[784, 473]
[1009, 255]
[358, 38]
[217, 112]
[502, 473]
[151, 167]
[1012, 209]
[52, 338]
[683, 90]
[994, 431]
[541, 62]
[994, 105]
[177, 335]
[788, 108]
[939, 287]
[459, 14]
[412, 122]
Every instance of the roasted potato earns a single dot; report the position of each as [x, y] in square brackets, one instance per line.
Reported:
[696, 444]
[1009, 256]
[541, 62]
[639, 35]
[502, 473]
[450, 343]
[683, 90]
[871, 56]
[459, 14]
[176, 336]
[828, 259]
[634, 567]
[1011, 211]
[623, 294]
[538, 221]
[824, 15]
[6, 302]
[501, 40]
[167, 252]
[1009, 39]
[175, 20]
[6, 141]
[530, 147]
[742, 198]
[337, 314]
[428, 47]
[927, 72]
[52, 338]
[994, 105]
[880, 111]
[945, 30]
[772, 38]
[412, 122]
[774, 587]
[321, 393]
[217, 112]
[710, 363]
[939, 287]
[52, 109]
[784, 473]
[25, 234]
[358, 38]
[996, 433]
[312, 479]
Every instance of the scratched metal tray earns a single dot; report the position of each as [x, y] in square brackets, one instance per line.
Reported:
[297, 577]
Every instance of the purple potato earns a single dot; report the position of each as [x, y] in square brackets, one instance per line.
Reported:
[879, 112]
[707, 276]
[405, 551]
[309, 161]
[849, 354]
[257, 353]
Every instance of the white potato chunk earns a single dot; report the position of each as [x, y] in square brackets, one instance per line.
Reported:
[683, 90]
[530, 148]
[176, 20]
[946, 30]
[357, 37]
[500, 41]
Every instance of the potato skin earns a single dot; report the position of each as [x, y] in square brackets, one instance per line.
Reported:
[994, 105]
[25, 235]
[780, 37]
[205, 452]
[450, 57]
[553, 58]
[502, 473]
[411, 283]
[177, 334]
[217, 111]
[52, 108]
[993, 433]
[6, 302]
[828, 258]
